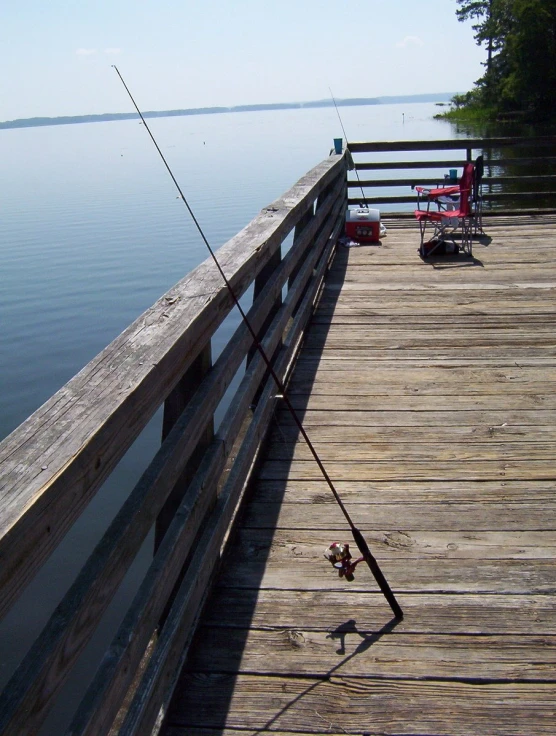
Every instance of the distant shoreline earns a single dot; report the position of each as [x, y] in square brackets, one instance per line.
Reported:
[111, 116]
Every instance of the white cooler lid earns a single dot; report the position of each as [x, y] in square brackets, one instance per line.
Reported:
[363, 214]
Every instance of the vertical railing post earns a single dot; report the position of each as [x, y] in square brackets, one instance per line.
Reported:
[344, 194]
[261, 280]
[174, 405]
[304, 221]
[322, 196]
[344, 207]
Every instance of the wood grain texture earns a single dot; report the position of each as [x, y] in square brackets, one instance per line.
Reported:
[330, 704]
[428, 391]
[428, 613]
[296, 651]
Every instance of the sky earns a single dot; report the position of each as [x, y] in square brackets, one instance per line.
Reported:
[56, 55]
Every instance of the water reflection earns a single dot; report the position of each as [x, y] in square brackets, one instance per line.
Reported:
[525, 171]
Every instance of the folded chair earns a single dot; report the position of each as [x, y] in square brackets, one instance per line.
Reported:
[454, 214]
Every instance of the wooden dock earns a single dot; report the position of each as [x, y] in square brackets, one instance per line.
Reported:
[429, 391]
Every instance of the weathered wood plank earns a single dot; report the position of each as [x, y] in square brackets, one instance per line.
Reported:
[468, 304]
[441, 516]
[523, 577]
[429, 402]
[433, 471]
[319, 610]
[401, 444]
[400, 492]
[503, 282]
[350, 652]
[341, 361]
[372, 381]
[491, 418]
[358, 451]
[327, 704]
[374, 336]
[414, 542]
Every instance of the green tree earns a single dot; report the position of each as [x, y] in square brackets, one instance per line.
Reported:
[520, 70]
[529, 59]
[484, 31]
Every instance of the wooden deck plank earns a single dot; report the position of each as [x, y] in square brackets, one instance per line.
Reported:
[430, 613]
[294, 651]
[330, 704]
[416, 492]
[377, 451]
[433, 471]
[429, 391]
[410, 543]
[405, 575]
[426, 418]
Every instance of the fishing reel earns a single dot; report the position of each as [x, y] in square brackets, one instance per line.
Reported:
[339, 556]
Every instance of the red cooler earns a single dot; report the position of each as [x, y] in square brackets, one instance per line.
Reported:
[363, 225]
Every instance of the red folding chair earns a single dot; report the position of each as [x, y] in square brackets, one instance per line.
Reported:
[453, 214]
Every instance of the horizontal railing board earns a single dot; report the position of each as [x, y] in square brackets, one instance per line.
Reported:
[487, 197]
[487, 181]
[488, 162]
[472, 144]
[51, 466]
[403, 216]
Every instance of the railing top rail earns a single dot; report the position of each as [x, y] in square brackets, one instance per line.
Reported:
[450, 145]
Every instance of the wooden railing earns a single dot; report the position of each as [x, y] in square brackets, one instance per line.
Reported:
[507, 185]
[54, 463]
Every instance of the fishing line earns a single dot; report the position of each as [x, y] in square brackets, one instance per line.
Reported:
[358, 537]
[347, 146]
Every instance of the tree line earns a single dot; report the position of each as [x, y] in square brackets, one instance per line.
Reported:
[520, 68]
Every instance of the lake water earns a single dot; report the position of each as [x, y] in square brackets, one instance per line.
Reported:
[92, 233]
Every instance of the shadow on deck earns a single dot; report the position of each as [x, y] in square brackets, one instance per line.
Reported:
[429, 391]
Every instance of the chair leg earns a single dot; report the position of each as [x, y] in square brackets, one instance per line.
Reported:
[467, 235]
[478, 217]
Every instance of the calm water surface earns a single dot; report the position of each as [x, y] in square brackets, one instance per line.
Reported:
[92, 233]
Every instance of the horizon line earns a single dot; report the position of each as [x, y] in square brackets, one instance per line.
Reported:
[38, 121]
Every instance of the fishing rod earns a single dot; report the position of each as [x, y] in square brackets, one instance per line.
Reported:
[347, 146]
[339, 558]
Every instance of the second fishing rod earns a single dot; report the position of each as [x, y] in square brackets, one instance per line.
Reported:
[357, 536]
[364, 200]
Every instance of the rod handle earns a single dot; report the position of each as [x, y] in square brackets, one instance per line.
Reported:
[377, 573]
